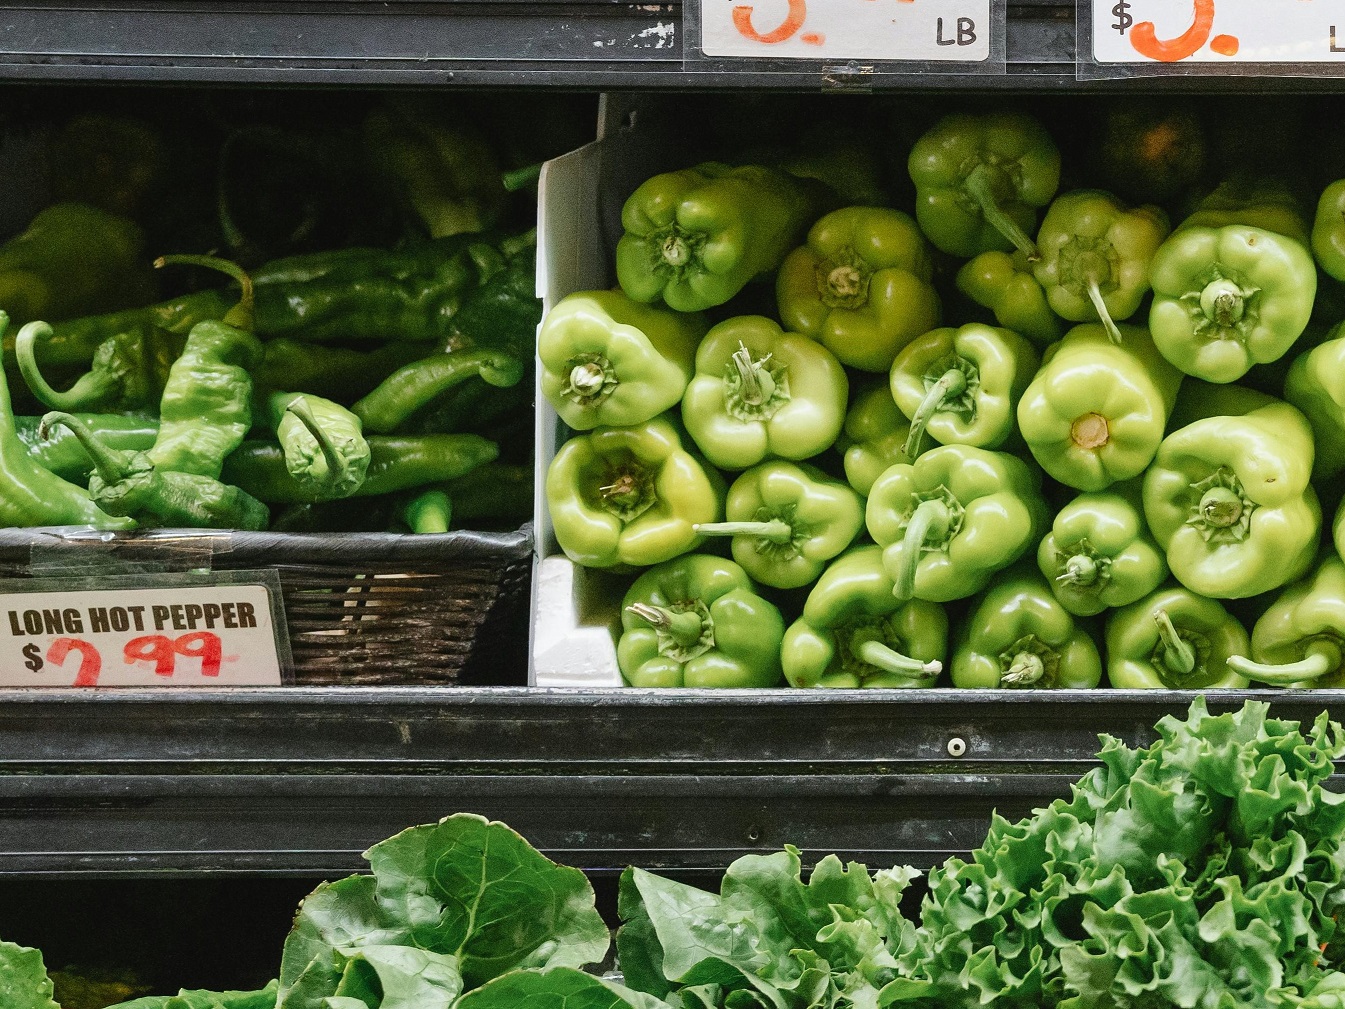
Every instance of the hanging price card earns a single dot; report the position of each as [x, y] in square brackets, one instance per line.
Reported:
[153, 630]
[907, 30]
[1218, 31]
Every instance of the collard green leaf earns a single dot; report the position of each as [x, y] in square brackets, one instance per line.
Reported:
[637, 945]
[23, 979]
[404, 978]
[559, 988]
[263, 998]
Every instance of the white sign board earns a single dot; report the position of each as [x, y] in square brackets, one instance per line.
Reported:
[169, 635]
[945, 30]
[1218, 31]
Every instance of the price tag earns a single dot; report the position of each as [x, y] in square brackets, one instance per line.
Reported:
[920, 30]
[1218, 31]
[174, 630]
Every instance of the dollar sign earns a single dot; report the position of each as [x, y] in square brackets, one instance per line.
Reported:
[31, 657]
[1122, 14]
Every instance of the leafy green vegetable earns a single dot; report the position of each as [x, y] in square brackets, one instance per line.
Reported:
[561, 988]
[264, 998]
[23, 979]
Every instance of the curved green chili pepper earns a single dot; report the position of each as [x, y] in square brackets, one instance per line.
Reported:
[336, 373]
[427, 511]
[62, 453]
[129, 370]
[323, 442]
[408, 389]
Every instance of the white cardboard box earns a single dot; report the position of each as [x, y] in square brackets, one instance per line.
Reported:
[575, 610]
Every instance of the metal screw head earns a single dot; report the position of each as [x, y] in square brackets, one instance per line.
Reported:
[957, 746]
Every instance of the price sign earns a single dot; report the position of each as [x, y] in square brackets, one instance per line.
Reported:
[170, 634]
[847, 29]
[1218, 31]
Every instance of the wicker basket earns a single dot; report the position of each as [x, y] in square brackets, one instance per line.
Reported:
[362, 608]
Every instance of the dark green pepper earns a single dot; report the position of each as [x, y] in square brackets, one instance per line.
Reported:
[129, 370]
[62, 453]
[412, 387]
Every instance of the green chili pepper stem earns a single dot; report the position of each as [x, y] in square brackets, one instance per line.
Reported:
[685, 628]
[930, 517]
[241, 315]
[952, 383]
[1321, 657]
[1026, 668]
[112, 466]
[304, 414]
[521, 178]
[756, 386]
[1178, 655]
[776, 530]
[875, 653]
[1080, 569]
[86, 388]
[978, 187]
[1220, 507]
[1100, 307]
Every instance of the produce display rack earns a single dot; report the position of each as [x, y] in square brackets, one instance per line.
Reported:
[299, 781]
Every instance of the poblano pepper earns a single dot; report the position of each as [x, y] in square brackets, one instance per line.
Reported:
[1095, 256]
[980, 179]
[1328, 231]
[31, 495]
[962, 386]
[1019, 637]
[1299, 641]
[787, 522]
[855, 633]
[1229, 499]
[1173, 640]
[1095, 412]
[874, 437]
[629, 495]
[697, 621]
[1099, 554]
[132, 485]
[415, 385]
[1316, 385]
[861, 286]
[1004, 283]
[396, 463]
[696, 237]
[953, 518]
[61, 453]
[323, 442]
[608, 361]
[760, 392]
[128, 372]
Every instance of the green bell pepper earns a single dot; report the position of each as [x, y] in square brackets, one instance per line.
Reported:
[980, 179]
[1316, 385]
[1099, 555]
[855, 633]
[1299, 641]
[874, 437]
[861, 286]
[1228, 298]
[1338, 530]
[608, 361]
[962, 386]
[1095, 412]
[1095, 256]
[1019, 637]
[787, 522]
[696, 622]
[1173, 640]
[953, 518]
[1251, 202]
[760, 392]
[1328, 231]
[629, 495]
[1004, 283]
[1229, 499]
[696, 237]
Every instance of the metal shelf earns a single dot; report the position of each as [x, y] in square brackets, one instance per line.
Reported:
[300, 781]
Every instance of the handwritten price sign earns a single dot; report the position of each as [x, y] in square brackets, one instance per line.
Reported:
[202, 635]
[945, 30]
[1218, 31]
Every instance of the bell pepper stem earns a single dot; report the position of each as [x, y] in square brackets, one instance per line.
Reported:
[241, 315]
[875, 653]
[112, 466]
[1221, 507]
[1080, 569]
[1026, 669]
[1178, 655]
[978, 187]
[587, 379]
[87, 387]
[1318, 661]
[756, 386]
[1223, 302]
[951, 383]
[685, 627]
[336, 466]
[776, 530]
[1100, 307]
[929, 517]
